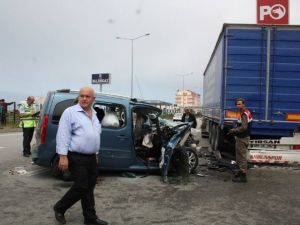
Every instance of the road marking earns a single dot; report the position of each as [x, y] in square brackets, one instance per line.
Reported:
[2, 147]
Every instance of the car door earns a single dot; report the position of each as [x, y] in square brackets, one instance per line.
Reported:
[116, 142]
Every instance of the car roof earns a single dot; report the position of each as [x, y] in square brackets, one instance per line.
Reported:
[115, 98]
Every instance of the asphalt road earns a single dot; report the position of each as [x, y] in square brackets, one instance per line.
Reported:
[271, 196]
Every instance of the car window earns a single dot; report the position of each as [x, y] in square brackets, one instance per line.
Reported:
[110, 115]
[60, 108]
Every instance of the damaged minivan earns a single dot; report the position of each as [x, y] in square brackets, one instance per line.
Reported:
[133, 138]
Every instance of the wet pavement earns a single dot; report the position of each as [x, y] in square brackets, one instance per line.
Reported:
[271, 195]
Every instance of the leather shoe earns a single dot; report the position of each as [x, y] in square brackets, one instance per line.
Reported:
[60, 217]
[240, 178]
[96, 222]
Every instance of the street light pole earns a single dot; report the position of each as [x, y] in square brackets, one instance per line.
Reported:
[183, 76]
[132, 39]
[131, 85]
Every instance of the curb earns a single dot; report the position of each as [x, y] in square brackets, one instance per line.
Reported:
[9, 130]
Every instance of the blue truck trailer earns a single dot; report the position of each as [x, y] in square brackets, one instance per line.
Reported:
[262, 65]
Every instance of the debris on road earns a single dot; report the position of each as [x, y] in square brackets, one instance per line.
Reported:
[128, 175]
[18, 170]
[201, 175]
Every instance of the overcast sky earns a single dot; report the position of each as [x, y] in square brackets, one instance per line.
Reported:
[53, 44]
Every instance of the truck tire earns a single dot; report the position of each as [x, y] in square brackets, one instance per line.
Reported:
[215, 142]
[213, 136]
[210, 132]
[218, 142]
[204, 129]
[193, 159]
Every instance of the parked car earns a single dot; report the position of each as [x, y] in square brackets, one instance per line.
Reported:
[177, 116]
[121, 139]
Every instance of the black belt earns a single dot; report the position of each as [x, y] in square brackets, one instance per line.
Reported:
[81, 154]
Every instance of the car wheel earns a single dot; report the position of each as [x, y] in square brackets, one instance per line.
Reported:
[193, 159]
[56, 172]
[54, 168]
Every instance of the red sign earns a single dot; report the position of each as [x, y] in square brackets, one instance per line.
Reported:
[272, 11]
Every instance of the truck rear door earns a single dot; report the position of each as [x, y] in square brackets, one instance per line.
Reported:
[262, 65]
[284, 82]
[245, 68]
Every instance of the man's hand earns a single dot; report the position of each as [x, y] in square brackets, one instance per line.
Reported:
[63, 163]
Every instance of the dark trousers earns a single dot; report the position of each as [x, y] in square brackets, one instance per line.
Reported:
[83, 169]
[27, 137]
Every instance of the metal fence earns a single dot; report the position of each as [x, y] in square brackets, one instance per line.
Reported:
[10, 117]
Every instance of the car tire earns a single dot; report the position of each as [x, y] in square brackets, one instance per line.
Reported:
[193, 159]
[56, 172]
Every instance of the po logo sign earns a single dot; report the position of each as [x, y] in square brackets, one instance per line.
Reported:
[272, 12]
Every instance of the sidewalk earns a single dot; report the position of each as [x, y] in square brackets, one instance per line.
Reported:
[9, 129]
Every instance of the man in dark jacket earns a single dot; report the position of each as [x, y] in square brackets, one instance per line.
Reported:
[188, 116]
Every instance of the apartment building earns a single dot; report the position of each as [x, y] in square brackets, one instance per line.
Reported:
[188, 98]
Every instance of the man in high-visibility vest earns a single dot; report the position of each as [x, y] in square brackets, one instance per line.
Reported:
[28, 123]
[242, 137]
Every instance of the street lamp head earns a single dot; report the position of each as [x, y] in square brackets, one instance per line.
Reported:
[132, 39]
[186, 74]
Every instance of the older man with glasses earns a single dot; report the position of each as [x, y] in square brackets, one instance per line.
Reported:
[77, 144]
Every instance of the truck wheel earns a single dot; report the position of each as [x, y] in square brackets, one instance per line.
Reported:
[216, 139]
[213, 137]
[213, 141]
[204, 129]
[218, 142]
[210, 132]
[193, 159]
